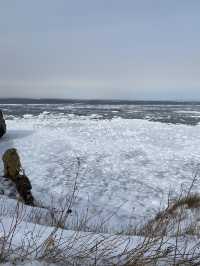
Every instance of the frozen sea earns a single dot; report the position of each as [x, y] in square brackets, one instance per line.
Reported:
[132, 154]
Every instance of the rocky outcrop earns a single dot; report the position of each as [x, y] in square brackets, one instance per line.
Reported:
[14, 172]
[12, 164]
[2, 125]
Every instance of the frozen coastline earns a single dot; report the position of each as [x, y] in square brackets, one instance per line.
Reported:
[127, 166]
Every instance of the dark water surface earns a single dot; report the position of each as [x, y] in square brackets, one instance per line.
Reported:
[167, 112]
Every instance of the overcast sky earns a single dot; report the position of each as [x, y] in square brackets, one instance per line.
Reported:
[120, 49]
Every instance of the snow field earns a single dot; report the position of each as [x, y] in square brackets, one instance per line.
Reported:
[127, 167]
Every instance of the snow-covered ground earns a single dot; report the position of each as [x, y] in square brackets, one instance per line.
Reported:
[127, 167]
[26, 243]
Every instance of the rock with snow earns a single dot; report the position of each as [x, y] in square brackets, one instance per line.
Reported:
[2, 125]
[15, 173]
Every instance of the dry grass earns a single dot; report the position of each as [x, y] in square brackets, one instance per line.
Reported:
[152, 248]
[190, 201]
[162, 241]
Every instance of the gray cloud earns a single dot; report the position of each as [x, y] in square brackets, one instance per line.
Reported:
[100, 49]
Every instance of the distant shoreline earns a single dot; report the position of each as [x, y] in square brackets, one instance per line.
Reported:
[92, 102]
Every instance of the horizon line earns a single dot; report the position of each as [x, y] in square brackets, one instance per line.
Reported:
[97, 99]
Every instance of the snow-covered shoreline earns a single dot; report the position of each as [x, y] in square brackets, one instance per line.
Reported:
[127, 166]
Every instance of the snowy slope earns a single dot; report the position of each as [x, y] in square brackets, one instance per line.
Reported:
[127, 166]
[33, 244]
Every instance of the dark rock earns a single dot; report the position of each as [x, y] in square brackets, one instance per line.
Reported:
[2, 125]
[24, 187]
